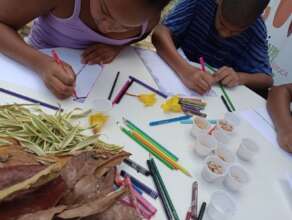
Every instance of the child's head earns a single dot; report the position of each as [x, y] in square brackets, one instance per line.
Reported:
[121, 15]
[235, 16]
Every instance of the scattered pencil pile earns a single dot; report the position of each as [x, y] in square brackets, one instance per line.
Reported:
[152, 146]
[193, 106]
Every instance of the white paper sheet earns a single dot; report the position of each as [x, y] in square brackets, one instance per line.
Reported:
[165, 78]
[261, 124]
[19, 75]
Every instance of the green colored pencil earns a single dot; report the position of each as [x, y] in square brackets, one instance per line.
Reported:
[128, 133]
[156, 172]
[160, 190]
[132, 126]
[223, 90]
[227, 97]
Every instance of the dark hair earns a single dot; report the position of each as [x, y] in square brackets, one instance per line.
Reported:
[159, 4]
[242, 13]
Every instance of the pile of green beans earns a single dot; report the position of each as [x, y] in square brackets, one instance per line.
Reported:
[48, 134]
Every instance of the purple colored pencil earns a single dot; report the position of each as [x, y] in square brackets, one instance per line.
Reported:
[148, 87]
[122, 92]
[26, 98]
[194, 205]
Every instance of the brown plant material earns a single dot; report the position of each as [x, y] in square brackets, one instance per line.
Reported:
[44, 197]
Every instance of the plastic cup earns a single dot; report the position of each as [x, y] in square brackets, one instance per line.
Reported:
[225, 128]
[221, 135]
[213, 174]
[205, 144]
[236, 178]
[200, 125]
[225, 155]
[247, 149]
[221, 206]
[233, 118]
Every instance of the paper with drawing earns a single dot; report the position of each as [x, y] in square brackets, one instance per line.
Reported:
[15, 73]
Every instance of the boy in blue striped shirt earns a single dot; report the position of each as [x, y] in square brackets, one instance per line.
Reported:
[229, 34]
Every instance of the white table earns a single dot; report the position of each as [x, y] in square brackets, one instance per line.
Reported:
[262, 199]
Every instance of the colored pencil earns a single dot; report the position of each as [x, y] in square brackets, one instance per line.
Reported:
[113, 86]
[156, 172]
[132, 126]
[225, 103]
[140, 185]
[148, 87]
[202, 211]
[137, 167]
[163, 156]
[223, 90]
[122, 92]
[170, 120]
[227, 97]
[194, 204]
[202, 62]
[26, 98]
[59, 61]
[159, 188]
[130, 135]
[190, 111]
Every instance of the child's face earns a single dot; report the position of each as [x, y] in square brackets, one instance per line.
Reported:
[224, 28]
[114, 16]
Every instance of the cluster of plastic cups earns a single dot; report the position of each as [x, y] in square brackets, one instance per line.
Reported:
[220, 163]
[234, 177]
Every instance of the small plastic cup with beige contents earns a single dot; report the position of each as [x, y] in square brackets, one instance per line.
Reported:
[227, 126]
[247, 149]
[236, 178]
[200, 125]
[225, 155]
[214, 169]
[205, 144]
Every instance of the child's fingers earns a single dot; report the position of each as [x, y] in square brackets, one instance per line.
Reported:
[61, 90]
[228, 80]
[66, 76]
[89, 50]
[208, 79]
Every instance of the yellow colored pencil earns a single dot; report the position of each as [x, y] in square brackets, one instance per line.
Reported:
[160, 153]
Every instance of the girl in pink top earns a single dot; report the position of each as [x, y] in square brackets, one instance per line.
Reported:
[100, 27]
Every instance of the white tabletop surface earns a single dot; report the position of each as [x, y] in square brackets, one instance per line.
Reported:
[262, 199]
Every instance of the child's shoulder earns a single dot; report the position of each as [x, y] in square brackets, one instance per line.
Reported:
[259, 28]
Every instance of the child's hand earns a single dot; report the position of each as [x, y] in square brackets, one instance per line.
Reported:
[101, 54]
[60, 82]
[285, 140]
[227, 76]
[195, 79]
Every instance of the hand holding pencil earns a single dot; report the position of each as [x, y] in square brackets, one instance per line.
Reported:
[59, 77]
[196, 79]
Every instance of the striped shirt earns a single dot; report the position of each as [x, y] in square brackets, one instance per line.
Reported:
[192, 23]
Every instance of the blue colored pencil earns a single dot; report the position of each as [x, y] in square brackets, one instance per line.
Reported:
[140, 185]
[148, 87]
[170, 120]
[26, 98]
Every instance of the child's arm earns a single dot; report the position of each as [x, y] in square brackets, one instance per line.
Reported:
[13, 15]
[278, 106]
[192, 77]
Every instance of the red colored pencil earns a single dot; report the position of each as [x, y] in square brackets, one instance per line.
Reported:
[122, 92]
[202, 62]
